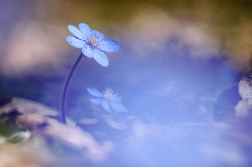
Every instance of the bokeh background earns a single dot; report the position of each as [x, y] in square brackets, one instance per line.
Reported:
[176, 60]
[163, 43]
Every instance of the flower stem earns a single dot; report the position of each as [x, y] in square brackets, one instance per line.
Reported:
[63, 113]
[99, 113]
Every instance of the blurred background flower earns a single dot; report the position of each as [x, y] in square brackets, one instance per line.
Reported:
[109, 100]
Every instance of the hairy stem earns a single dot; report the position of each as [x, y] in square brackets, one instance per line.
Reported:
[63, 112]
[99, 113]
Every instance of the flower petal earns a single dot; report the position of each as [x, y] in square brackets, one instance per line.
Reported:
[87, 51]
[96, 101]
[95, 33]
[85, 29]
[101, 57]
[95, 92]
[108, 45]
[75, 42]
[116, 99]
[105, 105]
[76, 32]
[118, 107]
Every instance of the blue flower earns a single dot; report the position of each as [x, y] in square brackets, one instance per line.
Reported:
[109, 100]
[93, 44]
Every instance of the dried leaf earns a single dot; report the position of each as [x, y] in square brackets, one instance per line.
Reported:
[245, 86]
[77, 139]
[26, 107]
[14, 157]
[243, 108]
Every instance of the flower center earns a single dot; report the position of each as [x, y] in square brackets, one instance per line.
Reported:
[92, 42]
[109, 94]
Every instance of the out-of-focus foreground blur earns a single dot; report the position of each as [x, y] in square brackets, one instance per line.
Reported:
[177, 72]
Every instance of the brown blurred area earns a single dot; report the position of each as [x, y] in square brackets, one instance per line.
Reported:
[33, 32]
[34, 29]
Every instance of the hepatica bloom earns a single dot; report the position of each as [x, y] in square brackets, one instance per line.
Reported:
[93, 44]
[109, 100]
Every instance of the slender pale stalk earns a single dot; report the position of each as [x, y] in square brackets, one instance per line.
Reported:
[63, 112]
[98, 115]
